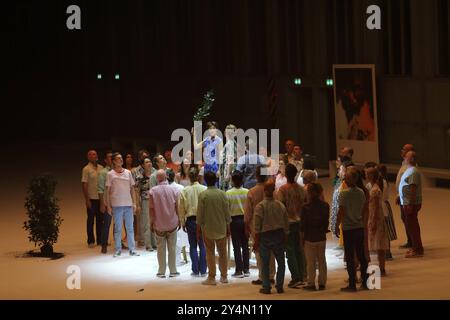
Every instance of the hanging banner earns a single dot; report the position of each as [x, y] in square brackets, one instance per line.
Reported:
[355, 107]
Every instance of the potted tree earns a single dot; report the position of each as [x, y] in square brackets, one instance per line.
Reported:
[43, 213]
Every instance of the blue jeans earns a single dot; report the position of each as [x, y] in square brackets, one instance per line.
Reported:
[120, 214]
[198, 263]
[272, 241]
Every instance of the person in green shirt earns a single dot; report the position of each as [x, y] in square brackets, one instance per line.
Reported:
[213, 220]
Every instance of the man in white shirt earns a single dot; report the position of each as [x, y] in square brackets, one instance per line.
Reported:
[90, 192]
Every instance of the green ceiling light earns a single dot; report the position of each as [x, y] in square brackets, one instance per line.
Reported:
[99, 76]
[117, 76]
[297, 81]
[330, 82]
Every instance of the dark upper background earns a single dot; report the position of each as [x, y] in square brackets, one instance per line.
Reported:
[168, 53]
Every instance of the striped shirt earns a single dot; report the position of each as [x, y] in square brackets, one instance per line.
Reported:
[236, 199]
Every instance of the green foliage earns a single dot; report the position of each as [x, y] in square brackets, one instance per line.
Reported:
[43, 211]
[204, 110]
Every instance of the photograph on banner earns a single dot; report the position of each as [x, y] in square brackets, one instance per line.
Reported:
[356, 110]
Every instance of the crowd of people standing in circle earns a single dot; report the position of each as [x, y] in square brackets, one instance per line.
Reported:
[283, 216]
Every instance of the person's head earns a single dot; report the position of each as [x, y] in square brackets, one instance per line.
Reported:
[351, 176]
[372, 175]
[269, 188]
[108, 158]
[170, 175]
[405, 149]
[210, 178]
[189, 155]
[230, 131]
[383, 171]
[411, 158]
[184, 169]
[314, 191]
[309, 176]
[291, 172]
[212, 128]
[237, 178]
[129, 161]
[147, 164]
[168, 155]
[282, 166]
[369, 165]
[142, 154]
[193, 174]
[346, 154]
[289, 146]
[92, 156]
[343, 168]
[308, 163]
[117, 160]
[161, 175]
[260, 178]
[297, 152]
[159, 161]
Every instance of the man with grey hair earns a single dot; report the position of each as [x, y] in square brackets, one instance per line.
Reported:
[410, 191]
[164, 222]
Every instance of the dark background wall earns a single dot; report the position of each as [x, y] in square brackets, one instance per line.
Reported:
[168, 53]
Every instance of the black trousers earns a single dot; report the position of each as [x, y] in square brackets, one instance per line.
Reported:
[94, 214]
[240, 243]
[354, 245]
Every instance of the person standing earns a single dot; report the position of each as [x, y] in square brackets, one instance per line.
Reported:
[182, 239]
[228, 158]
[236, 198]
[377, 232]
[254, 196]
[315, 216]
[297, 159]
[292, 195]
[247, 164]
[289, 148]
[387, 210]
[352, 202]
[101, 185]
[281, 176]
[121, 202]
[129, 162]
[182, 177]
[271, 225]
[165, 223]
[410, 192]
[405, 149]
[212, 145]
[170, 164]
[188, 208]
[89, 182]
[159, 163]
[142, 179]
[213, 220]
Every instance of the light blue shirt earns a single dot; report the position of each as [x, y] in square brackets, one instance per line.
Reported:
[247, 165]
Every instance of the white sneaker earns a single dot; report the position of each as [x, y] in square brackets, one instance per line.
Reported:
[209, 282]
[223, 279]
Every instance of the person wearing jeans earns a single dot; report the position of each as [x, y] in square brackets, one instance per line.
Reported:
[89, 182]
[165, 223]
[101, 185]
[292, 195]
[187, 207]
[121, 203]
[410, 191]
[236, 198]
[351, 206]
[271, 232]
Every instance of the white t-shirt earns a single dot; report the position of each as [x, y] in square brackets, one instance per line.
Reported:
[121, 186]
[89, 176]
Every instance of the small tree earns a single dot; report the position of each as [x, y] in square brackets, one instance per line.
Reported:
[43, 212]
